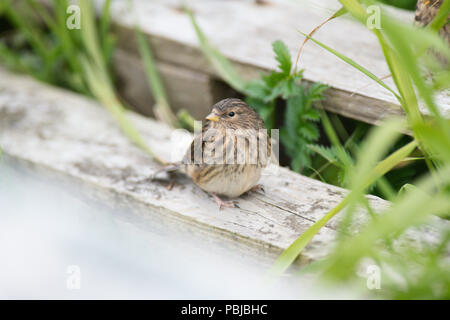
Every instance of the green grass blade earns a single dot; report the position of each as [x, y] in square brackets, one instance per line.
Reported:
[96, 74]
[441, 17]
[381, 137]
[355, 8]
[413, 207]
[336, 14]
[34, 37]
[162, 108]
[221, 64]
[333, 137]
[108, 40]
[101, 89]
[185, 119]
[105, 19]
[67, 47]
[89, 34]
[396, 32]
[402, 74]
[354, 64]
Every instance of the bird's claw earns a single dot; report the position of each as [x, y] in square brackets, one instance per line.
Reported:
[224, 204]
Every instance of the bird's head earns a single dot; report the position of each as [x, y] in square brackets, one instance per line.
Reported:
[234, 113]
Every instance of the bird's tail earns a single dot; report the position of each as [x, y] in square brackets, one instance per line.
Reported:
[171, 167]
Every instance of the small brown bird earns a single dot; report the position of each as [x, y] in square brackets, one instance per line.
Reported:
[227, 158]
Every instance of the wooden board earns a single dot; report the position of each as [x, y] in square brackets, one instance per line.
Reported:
[187, 88]
[76, 137]
[243, 31]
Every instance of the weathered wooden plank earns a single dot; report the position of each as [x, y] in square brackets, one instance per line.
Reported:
[187, 88]
[243, 32]
[72, 135]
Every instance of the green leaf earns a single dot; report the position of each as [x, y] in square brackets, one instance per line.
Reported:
[316, 91]
[283, 56]
[291, 117]
[288, 142]
[300, 161]
[309, 131]
[326, 152]
[285, 88]
[289, 88]
[312, 115]
[274, 93]
[273, 78]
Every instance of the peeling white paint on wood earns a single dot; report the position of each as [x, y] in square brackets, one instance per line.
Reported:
[76, 137]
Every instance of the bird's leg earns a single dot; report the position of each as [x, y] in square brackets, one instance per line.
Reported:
[258, 187]
[221, 203]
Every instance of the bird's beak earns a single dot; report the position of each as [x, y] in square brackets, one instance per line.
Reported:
[212, 117]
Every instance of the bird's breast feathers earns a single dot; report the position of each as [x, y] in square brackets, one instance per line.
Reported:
[230, 180]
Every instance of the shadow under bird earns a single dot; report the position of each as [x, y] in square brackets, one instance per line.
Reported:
[227, 158]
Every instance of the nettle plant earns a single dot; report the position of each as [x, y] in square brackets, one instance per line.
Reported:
[300, 118]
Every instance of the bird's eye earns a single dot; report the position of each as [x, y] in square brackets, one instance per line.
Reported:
[231, 114]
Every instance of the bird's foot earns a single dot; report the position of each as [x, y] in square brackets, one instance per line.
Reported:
[258, 187]
[224, 204]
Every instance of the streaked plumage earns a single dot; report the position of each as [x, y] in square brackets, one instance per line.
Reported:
[230, 179]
